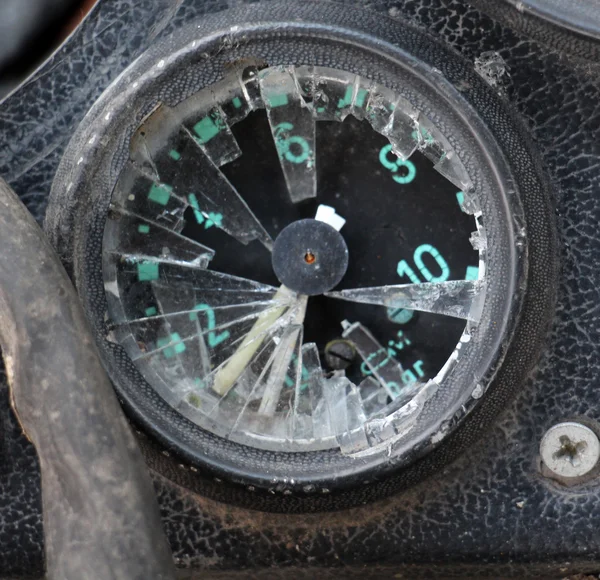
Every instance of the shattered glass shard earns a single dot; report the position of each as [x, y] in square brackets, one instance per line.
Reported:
[213, 135]
[212, 193]
[285, 363]
[141, 195]
[379, 361]
[353, 438]
[131, 235]
[293, 129]
[380, 107]
[401, 127]
[328, 93]
[310, 373]
[457, 298]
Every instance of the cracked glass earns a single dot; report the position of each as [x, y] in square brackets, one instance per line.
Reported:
[195, 217]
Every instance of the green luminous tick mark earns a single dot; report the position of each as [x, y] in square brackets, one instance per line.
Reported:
[360, 97]
[472, 273]
[174, 155]
[237, 103]
[147, 271]
[150, 311]
[207, 128]
[160, 193]
[347, 100]
[175, 343]
[277, 100]
[196, 207]
[143, 229]
[210, 219]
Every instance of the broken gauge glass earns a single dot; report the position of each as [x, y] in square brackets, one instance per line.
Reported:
[292, 259]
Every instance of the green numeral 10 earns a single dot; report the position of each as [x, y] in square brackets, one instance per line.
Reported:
[404, 268]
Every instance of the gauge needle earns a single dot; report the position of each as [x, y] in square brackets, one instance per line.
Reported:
[285, 348]
[229, 374]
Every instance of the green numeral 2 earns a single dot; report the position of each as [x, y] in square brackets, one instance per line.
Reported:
[213, 338]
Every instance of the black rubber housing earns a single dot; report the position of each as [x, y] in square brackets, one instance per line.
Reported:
[491, 144]
[97, 494]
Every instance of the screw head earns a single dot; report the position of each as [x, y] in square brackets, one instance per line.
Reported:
[570, 449]
[339, 354]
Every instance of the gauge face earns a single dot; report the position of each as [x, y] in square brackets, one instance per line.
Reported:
[293, 258]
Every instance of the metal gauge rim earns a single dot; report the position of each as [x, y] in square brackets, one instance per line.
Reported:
[444, 105]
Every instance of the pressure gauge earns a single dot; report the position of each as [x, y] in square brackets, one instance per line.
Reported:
[303, 253]
[293, 259]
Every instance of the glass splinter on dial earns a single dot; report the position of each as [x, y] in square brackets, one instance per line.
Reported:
[458, 298]
[293, 129]
[191, 291]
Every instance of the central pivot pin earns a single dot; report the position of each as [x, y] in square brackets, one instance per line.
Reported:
[310, 257]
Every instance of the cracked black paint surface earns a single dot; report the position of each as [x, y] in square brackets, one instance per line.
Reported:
[487, 514]
[20, 498]
[42, 116]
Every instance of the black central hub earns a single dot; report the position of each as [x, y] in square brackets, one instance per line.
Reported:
[310, 257]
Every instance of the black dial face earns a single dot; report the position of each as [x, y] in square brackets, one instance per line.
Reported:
[292, 257]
